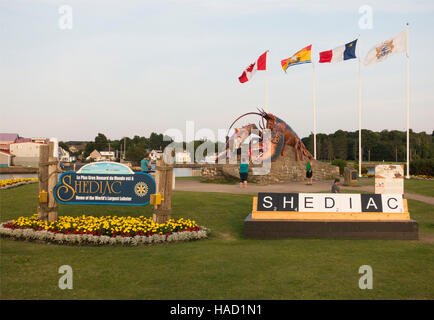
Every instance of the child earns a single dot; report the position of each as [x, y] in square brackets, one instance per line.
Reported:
[335, 186]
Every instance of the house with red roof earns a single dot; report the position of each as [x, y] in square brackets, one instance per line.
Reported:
[6, 139]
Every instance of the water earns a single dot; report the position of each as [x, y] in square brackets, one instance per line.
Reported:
[6, 176]
[182, 172]
[179, 172]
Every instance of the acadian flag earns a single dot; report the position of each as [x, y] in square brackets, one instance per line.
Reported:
[260, 64]
[345, 52]
[302, 56]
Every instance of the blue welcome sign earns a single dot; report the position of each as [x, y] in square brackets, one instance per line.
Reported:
[105, 187]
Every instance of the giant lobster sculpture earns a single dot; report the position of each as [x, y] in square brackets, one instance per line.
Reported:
[282, 135]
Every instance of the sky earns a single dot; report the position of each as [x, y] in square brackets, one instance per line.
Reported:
[134, 67]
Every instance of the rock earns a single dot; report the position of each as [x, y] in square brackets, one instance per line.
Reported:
[284, 169]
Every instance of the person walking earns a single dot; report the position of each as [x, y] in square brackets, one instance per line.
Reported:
[244, 172]
[309, 172]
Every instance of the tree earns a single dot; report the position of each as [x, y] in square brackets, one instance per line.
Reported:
[136, 153]
[340, 143]
[90, 146]
[101, 142]
[64, 146]
[376, 146]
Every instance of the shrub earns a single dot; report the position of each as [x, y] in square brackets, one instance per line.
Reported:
[341, 164]
[364, 169]
[422, 167]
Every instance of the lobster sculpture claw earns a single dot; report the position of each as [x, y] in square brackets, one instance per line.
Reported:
[282, 135]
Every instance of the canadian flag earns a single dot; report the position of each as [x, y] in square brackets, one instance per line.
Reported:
[260, 64]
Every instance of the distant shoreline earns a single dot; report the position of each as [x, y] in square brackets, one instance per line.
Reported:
[19, 170]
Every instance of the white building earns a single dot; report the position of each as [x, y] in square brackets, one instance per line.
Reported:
[156, 154]
[211, 158]
[108, 155]
[26, 153]
[182, 157]
[64, 156]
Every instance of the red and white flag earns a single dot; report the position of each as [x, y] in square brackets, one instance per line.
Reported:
[260, 64]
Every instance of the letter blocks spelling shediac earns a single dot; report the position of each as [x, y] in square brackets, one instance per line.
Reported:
[330, 215]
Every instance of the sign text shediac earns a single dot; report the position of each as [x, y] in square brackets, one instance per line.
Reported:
[110, 189]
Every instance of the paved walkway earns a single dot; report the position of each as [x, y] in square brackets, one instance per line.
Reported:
[318, 186]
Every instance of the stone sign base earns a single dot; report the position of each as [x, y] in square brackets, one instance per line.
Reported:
[334, 229]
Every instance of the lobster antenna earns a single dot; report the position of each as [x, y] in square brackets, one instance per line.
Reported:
[246, 114]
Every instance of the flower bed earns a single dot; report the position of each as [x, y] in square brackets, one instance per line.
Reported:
[106, 230]
[11, 183]
[419, 176]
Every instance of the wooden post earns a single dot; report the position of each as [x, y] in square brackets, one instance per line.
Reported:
[164, 180]
[48, 177]
[43, 181]
[53, 169]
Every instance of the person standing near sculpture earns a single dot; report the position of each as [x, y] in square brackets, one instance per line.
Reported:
[244, 172]
[309, 172]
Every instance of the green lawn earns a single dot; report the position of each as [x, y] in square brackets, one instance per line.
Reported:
[189, 178]
[419, 186]
[226, 266]
[424, 187]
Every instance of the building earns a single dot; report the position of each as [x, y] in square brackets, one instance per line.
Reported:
[156, 154]
[211, 158]
[26, 153]
[108, 155]
[6, 139]
[182, 157]
[5, 159]
[96, 155]
[76, 148]
[64, 156]
[40, 140]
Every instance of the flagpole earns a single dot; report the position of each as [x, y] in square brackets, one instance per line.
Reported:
[408, 104]
[314, 104]
[360, 109]
[266, 89]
